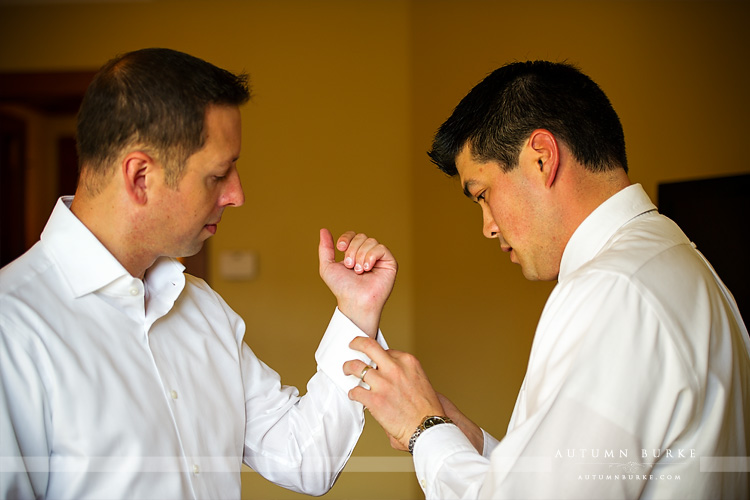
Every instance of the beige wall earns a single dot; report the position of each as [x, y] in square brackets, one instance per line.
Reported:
[347, 97]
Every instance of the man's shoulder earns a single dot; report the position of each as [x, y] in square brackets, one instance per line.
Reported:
[27, 271]
[652, 261]
[639, 243]
[30, 288]
[201, 293]
[649, 258]
[197, 282]
[199, 287]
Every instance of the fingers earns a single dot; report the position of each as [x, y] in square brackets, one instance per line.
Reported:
[380, 359]
[358, 368]
[364, 372]
[361, 395]
[372, 350]
[343, 242]
[398, 393]
[361, 253]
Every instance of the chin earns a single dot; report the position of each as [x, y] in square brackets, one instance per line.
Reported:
[189, 252]
[533, 276]
[530, 274]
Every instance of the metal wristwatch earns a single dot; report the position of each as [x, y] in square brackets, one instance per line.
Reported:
[426, 424]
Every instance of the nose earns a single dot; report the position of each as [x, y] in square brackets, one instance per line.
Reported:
[489, 227]
[233, 195]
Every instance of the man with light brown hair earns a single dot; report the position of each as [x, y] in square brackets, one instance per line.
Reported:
[123, 377]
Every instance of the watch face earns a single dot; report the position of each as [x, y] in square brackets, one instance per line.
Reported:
[432, 421]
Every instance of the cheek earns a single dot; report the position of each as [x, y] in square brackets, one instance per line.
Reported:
[514, 223]
[504, 214]
[201, 200]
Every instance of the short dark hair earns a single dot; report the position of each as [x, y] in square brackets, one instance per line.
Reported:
[502, 111]
[156, 99]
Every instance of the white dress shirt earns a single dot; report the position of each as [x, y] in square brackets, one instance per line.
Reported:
[638, 382]
[116, 387]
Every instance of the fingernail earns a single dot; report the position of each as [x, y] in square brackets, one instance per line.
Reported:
[358, 268]
[348, 261]
[367, 266]
[342, 245]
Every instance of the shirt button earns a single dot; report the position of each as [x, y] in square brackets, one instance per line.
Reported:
[196, 470]
[134, 291]
[173, 394]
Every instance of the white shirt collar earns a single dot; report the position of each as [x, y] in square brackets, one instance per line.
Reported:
[87, 266]
[601, 224]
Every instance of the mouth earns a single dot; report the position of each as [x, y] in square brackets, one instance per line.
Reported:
[211, 228]
[509, 249]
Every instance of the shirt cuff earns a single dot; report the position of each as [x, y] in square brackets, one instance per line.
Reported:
[490, 443]
[334, 350]
[432, 449]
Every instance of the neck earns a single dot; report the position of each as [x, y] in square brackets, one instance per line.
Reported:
[596, 188]
[109, 220]
[584, 192]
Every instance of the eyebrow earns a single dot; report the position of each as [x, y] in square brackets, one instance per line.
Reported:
[467, 185]
[228, 163]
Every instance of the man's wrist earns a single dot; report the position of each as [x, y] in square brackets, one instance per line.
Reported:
[366, 320]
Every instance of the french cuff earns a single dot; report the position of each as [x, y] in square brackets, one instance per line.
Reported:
[490, 443]
[434, 446]
[334, 350]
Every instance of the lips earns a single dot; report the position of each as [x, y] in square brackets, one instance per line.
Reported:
[508, 248]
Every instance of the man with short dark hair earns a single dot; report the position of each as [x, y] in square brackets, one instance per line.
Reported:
[638, 382]
[123, 377]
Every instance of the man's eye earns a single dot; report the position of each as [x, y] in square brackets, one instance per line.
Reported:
[480, 196]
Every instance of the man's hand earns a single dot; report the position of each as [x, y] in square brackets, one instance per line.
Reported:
[362, 281]
[469, 428]
[400, 395]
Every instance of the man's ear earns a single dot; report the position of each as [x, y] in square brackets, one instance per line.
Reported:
[137, 167]
[546, 153]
